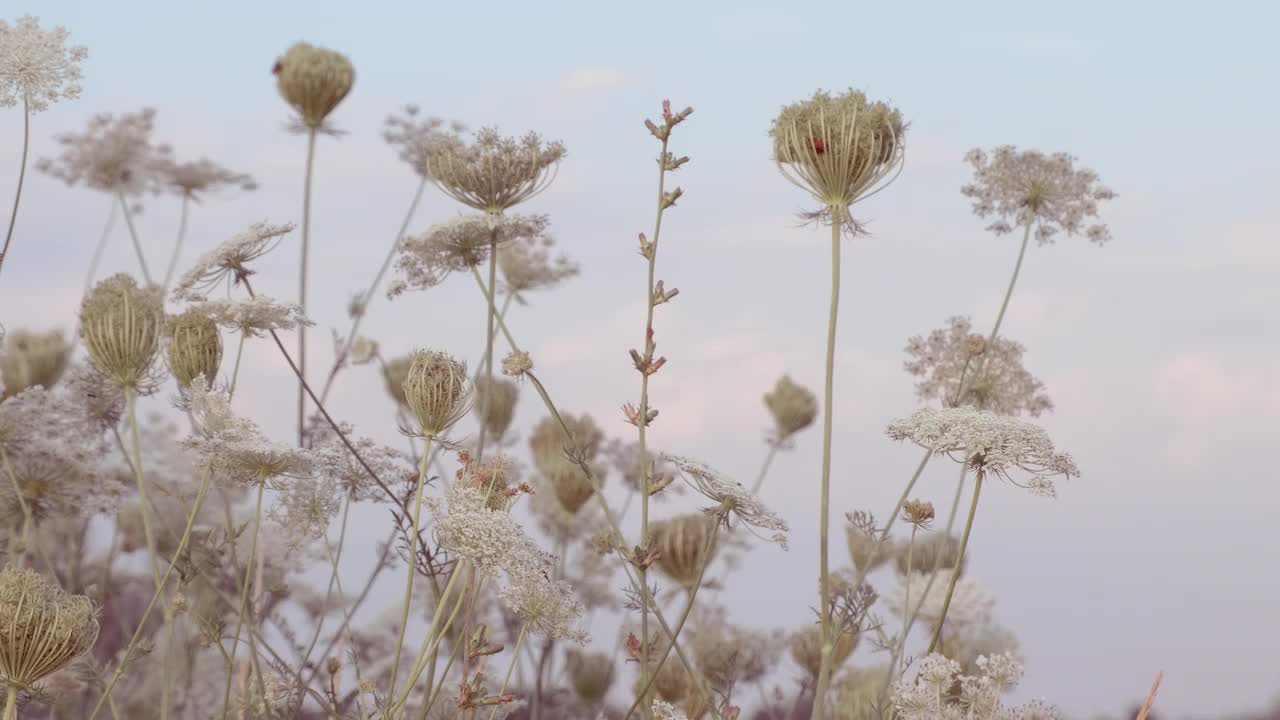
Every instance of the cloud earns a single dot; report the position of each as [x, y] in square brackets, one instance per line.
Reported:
[591, 80]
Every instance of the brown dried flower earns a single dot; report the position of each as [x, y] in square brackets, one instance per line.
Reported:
[517, 363]
[793, 407]
[682, 546]
[313, 81]
[195, 347]
[435, 390]
[394, 372]
[548, 441]
[591, 674]
[42, 628]
[918, 513]
[31, 359]
[806, 648]
[496, 399]
[121, 324]
[494, 173]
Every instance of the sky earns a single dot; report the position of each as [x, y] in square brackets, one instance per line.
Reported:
[1159, 350]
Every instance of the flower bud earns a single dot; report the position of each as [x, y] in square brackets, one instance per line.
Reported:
[31, 359]
[195, 347]
[435, 390]
[120, 324]
[682, 544]
[313, 81]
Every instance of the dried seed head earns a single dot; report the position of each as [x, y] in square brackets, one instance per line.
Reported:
[918, 512]
[806, 649]
[313, 81]
[394, 373]
[571, 486]
[195, 347]
[839, 148]
[121, 324]
[517, 363]
[549, 442]
[671, 682]
[494, 173]
[435, 388]
[934, 551]
[496, 399]
[793, 407]
[31, 359]
[42, 628]
[682, 544]
[591, 674]
[862, 545]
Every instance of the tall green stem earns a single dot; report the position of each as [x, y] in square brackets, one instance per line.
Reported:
[133, 235]
[22, 174]
[824, 675]
[955, 572]
[515, 656]
[1013, 280]
[302, 283]
[413, 551]
[244, 600]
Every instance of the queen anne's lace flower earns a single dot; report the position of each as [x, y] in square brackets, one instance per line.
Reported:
[731, 497]
[255, 316]
[546, 607]
[36, 66]
[989, 442]
[994, 378]
[229, 260]
[1045, 190]
[494, 173]
[458, 245]
[416, 139]
[663, 710]
[490, 539]
[929, 697]
[195, 178]
[113, 155]
[527, 265]
[233, 447]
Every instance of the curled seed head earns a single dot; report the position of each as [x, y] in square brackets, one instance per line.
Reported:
[313, 81]
[591, 674]
[682, 546]
[934, 551]
[496, 399]
[793, 407]
[918, 512]
[435, 388]
[806, 649]
[195, 347]
[42, 628]
[121, 324]
[31, 359]
[571, 486]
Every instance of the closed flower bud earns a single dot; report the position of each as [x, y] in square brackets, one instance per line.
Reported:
[806, 649]
[313, 81]
[496, 399]
[42, 628]
[682, 544]
[435, 390]
[121, 324]
[793, 407]
[394, 373]
[195, 347]
[591, 674]
[31, 359]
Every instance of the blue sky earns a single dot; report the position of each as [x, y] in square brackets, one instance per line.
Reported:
[1160, 349]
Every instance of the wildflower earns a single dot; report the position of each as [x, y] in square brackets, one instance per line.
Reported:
[54, 485]
[994, 378]
[121, 325]
[838, 148]
[663, 710]
[930, 697]
[793, 407]
[987, 442]
[253, 317]
[728, 655]
[1046, 192]
[113, 155]
[497, 401]
[229, 260]
[970, 603]
[30, 359]
[42, 628]
[494, 173]
[337, 462]
[494, 477]
[416, 139]
[548, 441]
[806, 648]
[546, 607]
[36, 66]
[858, 692]
[918, 512]
[491, 539]
[526, 265]
[559, 523]
[234, 447]
[195, 347]
[192, 179]
[731, 498]
[313, 81]
[862, 545]
[458, 245]
[304, 510]
[516, 363]
[590, 674]
[681, 546]
[435, 390]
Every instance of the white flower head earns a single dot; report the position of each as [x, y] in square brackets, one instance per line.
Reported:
[491, 539]
[234, 447]
[230, 259]
[457, 245]
[731, 498]
[546, 607]
[994, 378]
[36, 66]
[663, 710]
[1045, 190]
[254, 316]
[113, 155]
[988, 442]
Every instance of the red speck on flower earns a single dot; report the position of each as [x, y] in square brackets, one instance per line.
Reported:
[819, 147]
[275, 69]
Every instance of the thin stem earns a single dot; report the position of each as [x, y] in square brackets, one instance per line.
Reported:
[413, 551]
[436, 632]
[515, 655]
[684, 616]
[824, 675]
[244, 599]
[133, 235]
[302, 283]
[11, 702]
[22, 174]
[431, 700]
[367, 298]
[177, 246]
[22, 501]
[328, 595]
[235, 371]
[491, 312]
[1013, 280]
[764, 467]
[906, 603]
[955, 572]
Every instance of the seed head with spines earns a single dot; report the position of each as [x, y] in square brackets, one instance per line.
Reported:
[195, 347]
[28, 359]
[435, 388]
[313, 81]
[121, 324]
[42, 628]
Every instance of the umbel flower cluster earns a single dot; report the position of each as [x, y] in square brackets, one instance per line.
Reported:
[168, 554]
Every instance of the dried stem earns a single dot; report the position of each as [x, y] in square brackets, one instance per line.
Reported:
[413, 551]
[133, 235]
[302, 285]
[22, 174]
[955, 572]
[244, 600]
[177, 246]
